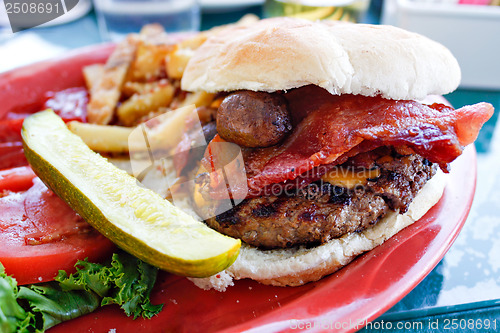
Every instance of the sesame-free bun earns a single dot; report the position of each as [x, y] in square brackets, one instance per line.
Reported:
[297, 266]
[344, 58]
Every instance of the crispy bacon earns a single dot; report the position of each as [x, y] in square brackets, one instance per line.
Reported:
[329, 129]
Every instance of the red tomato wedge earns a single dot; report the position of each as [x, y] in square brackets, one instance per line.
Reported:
[10, 130]
[12, 155]
[70, 104]
[17, 179]
[39, 233]
[11, 147]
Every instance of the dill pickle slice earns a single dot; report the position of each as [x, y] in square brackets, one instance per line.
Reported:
[135, 218]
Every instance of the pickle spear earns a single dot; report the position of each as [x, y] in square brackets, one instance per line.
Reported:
[135, 218]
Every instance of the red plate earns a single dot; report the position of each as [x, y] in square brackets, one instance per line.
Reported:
[344, 301]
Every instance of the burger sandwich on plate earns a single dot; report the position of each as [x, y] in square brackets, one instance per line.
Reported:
[338, 154]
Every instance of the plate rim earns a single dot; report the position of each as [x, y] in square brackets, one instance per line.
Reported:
[467, 163]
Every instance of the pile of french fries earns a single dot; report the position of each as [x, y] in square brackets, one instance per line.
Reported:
[140, 78]
[139, 81]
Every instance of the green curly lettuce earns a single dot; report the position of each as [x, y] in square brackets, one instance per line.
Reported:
[13, 318]
[125, 281]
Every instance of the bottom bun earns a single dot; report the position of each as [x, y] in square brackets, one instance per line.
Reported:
[297, 266]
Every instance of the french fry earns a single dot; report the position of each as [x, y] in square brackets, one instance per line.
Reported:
[176, 62]
[102, 138]
[106, 93]
[199, 98]
[161, 133]
[194, 42]
[178, 58]
[164, 132]
[150, 59]
[138, 106]
[149, 62]
[130, 87]
[92, 74]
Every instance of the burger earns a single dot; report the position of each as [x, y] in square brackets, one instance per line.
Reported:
[338, 154]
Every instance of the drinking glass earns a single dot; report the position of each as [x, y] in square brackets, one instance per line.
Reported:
[117, 18]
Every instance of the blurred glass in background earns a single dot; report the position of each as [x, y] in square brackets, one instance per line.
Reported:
[117, 18]
[340, 10]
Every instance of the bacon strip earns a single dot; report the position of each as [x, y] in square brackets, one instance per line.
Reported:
[329, 129]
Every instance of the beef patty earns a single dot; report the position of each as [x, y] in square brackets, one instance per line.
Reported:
[321, 211]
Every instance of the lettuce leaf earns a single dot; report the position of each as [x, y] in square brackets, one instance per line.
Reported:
[125, 280]
[50, 305]
[12, 315]
[133, 289]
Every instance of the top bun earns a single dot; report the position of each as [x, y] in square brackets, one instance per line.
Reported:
[343, 58]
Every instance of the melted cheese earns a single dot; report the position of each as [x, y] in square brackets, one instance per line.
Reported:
[350, 178]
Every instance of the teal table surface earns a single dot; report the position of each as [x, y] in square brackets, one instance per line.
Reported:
[463, 289]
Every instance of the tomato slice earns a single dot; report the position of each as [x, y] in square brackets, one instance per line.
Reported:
[39, 233]
[70, 104]
[11, 147]
[12, 155]
[10, 130]
[16, 179]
